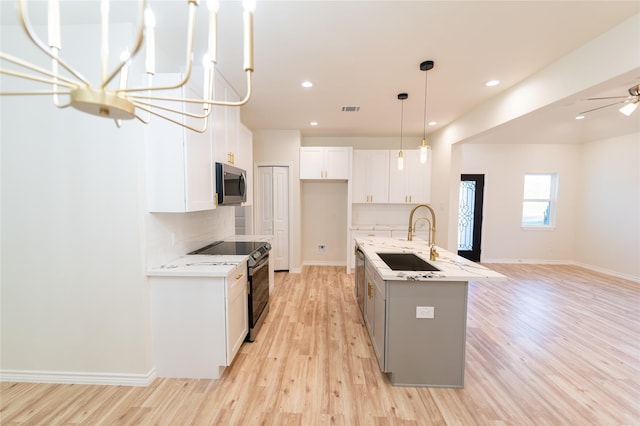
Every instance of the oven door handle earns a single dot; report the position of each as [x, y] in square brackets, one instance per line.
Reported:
[263, 262]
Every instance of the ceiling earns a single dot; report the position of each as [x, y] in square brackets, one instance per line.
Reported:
[363, 53]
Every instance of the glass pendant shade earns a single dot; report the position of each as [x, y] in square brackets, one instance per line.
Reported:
[400, 161]
[423, 151]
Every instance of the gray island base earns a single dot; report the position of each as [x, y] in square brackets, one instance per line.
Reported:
[417, 321]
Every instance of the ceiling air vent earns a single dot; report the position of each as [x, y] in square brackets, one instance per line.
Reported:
[350, 108]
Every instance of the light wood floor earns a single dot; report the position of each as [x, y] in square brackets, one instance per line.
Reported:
[552, 345]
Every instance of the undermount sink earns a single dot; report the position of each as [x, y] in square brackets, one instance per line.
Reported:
[406, 262]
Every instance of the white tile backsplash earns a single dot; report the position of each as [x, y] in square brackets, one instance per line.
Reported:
[170, 235]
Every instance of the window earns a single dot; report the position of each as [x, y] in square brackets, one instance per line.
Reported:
[539, 201]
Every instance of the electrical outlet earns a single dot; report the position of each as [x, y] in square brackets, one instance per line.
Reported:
[322, 248]
[425, 312]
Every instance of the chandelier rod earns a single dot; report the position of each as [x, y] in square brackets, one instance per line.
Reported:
[26, 25]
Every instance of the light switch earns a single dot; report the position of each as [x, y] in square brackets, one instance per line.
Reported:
[425, 312]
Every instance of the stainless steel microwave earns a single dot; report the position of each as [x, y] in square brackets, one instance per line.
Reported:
[231, 184]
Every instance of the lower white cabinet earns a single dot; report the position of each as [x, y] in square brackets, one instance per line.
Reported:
[198, 323]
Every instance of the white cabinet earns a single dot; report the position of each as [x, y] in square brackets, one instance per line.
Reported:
[198, 323]
[370, 180]
[179, 162]
[412, 184]
[325, 162]
[245, 158]
[237, 309]
[226, 124]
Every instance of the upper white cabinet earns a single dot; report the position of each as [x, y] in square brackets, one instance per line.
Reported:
[370, 181]
[412, 184]
[226, 124]
[325, 162]
[245, 158]
[179, 162]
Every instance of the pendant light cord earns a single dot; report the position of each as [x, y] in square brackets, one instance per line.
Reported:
[426, 79]
[401, 122]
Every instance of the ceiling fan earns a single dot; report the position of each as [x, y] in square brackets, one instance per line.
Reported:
[631, 101]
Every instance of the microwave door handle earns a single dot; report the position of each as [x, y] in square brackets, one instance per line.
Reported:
[242, 183]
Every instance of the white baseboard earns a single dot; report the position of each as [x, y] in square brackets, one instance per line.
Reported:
[78, 378]
[565, 262]
[608, 272]
[324, 263]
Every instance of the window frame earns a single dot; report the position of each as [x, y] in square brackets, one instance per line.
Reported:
[552, 200]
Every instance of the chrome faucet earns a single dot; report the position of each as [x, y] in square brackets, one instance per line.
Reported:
[433, 254]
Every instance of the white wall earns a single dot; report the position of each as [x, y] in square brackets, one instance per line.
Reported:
[608, 226]
[598, 210]
[282, 148]
[504, 167]
[617, 50]
[324, 221]
[75, 236]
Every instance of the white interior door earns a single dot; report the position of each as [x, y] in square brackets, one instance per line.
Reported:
[272, 211]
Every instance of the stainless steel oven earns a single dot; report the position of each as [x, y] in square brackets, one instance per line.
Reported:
[258, 293]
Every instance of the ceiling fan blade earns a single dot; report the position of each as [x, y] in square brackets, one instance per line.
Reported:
[600, 107]
[606, 97]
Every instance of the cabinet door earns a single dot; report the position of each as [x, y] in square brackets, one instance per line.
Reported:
[410, 185]
[379, 321]
[369, 294]
[245, 158]
[311, 163]
[397, 179]
[199, 172]
[233, 127]
[337, 162]
[179, 162]
[370, 177]
[237, 310]
[417, 178]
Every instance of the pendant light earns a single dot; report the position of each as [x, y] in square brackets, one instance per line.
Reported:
[401, 97]
[424, 147]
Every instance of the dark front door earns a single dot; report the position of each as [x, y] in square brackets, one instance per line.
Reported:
[470, 216]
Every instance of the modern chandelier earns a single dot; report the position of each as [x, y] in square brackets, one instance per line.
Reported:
[114, 99]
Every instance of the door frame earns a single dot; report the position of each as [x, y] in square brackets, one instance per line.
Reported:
[475, 252]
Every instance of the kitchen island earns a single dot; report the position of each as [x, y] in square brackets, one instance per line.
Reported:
[417, 319]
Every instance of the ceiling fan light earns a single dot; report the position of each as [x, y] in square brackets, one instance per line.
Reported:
[629, 108]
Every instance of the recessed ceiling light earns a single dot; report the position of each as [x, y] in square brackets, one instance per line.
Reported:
[306, 84]
[492, 83]
[313, 123]
[433, 123]
[579, 117]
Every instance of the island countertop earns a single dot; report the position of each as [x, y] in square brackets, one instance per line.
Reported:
[452, 267]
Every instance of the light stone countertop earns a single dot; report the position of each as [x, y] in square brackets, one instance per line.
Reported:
[452, 267]
[197, 265]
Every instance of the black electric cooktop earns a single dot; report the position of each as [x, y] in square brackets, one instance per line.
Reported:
[231, 247]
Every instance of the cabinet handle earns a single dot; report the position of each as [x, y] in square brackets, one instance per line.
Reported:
[231, 158]
[248, 288]
[410, 198]
[239, 276]
[369, 290]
